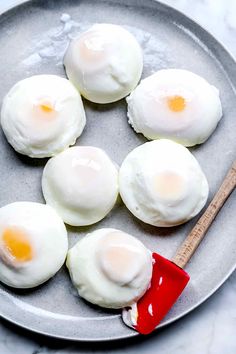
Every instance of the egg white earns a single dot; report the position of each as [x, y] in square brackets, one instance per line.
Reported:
[162, 183]
[47, 236]
[149, 113]
[106, 289]
[36, 132]
[81, 183]
[105, 63]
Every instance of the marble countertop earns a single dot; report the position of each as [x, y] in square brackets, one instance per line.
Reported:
[210, 329]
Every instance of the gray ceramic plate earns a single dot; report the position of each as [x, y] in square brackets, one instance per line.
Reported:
[32, 41]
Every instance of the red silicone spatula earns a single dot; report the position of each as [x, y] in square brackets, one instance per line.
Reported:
[168, 278]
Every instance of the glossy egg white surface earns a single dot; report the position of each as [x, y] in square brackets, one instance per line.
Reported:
[110, 268]
[33, 244]
[105, 63]
[162, 183]
[42, 115]
[175, 104]
[81, 183]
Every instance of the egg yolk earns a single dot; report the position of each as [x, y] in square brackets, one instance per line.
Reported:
[92, 48]
[169, 185]
[44, 110]
[120, 260]
[46, 107]
[17, 244]
[176, 103]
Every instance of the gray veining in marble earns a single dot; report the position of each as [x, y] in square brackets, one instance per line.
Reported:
[210, 329]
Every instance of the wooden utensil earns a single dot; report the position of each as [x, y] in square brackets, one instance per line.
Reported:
[169, 279]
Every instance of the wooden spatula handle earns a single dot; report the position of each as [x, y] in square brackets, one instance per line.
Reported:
[190, 244]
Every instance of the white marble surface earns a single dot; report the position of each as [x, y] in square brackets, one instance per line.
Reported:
[210, 329]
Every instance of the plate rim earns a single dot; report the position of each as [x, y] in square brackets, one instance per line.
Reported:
[191, 22]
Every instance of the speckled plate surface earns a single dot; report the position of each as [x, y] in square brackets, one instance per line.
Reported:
[33, 38]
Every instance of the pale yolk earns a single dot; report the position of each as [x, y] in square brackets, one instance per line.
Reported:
[176, 103]
[169, 185]
[17, 244]
[121, 261]
[92, 49]
[86, 171]
[118, 259]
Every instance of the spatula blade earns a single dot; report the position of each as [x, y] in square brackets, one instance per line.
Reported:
[167, 284]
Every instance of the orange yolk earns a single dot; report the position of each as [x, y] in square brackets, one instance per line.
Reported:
[47, 108]
[44, 110]
[176, 103]
[17, 244]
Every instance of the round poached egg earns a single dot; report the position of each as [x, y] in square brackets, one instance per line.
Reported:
[81, 183]
[175, 104]
[105, 63]
[110, 268]
[162, 183]
[42, 115]
[33, 244]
